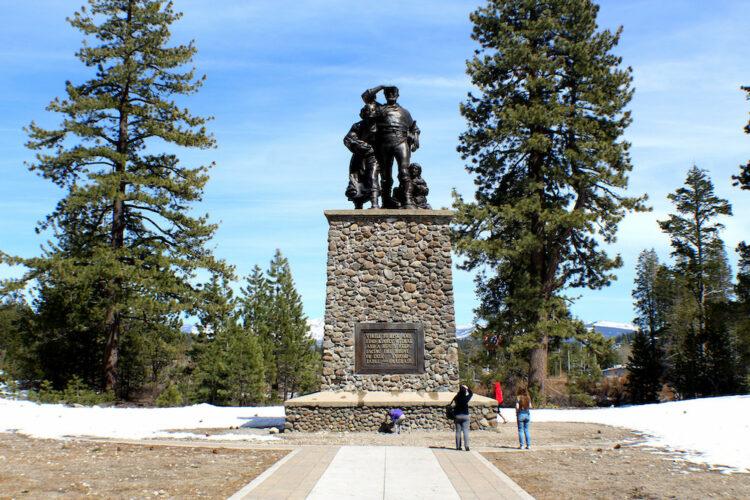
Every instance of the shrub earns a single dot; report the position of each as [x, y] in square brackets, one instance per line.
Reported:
[76, 392]
[170, 397]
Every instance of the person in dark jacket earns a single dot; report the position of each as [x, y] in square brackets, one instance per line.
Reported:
[461, 403]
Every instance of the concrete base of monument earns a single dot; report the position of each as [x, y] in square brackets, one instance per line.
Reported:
[367, 410]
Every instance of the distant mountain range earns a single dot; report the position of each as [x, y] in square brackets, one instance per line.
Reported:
[609, 329]
[606, 328]
[464, 331]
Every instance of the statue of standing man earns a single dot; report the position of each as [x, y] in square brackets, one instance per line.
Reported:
[396, 137]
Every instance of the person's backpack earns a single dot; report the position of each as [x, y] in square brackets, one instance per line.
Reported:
[450, 412]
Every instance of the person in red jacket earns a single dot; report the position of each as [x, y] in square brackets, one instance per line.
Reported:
[499, 397]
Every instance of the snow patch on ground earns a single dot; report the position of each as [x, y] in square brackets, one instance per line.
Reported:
[714, 431]
[56, 421]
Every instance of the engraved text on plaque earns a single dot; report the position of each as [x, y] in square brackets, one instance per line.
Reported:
[382, 348]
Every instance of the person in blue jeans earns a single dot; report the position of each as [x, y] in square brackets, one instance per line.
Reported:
[523, 416]
[461, 403]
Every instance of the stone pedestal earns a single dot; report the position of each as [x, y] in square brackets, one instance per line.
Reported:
[390, 332]
[344, 411]
[389, 267]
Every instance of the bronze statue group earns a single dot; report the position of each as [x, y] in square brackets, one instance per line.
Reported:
[386, 133]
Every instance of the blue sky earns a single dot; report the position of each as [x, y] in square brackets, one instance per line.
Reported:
[284, 84]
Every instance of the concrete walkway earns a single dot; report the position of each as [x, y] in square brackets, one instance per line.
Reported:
[381, 472]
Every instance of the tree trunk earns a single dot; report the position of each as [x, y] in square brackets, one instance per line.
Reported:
[538, 366]
[117, 240]
[111, 349]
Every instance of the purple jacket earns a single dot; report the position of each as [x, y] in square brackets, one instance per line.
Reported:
[395, 414]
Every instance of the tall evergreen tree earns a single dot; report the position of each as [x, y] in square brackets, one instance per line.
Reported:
[742, 312]
[228, 367]
[695, 239]
[743, 276]
[228, 360]
[256, 312]
[652, 294]
[703, 349]
[297, 361]
[743, 179]
[652, 303]
[124, 225]
[545, 146]
[644, 370]
[246, 366]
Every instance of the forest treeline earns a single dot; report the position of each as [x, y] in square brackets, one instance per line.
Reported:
[692, 318]
[247, 349]
[122, 267]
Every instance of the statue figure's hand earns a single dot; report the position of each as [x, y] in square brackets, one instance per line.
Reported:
[368, 96]
[413, 137]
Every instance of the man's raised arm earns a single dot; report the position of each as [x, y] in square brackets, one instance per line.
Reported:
[369, 95]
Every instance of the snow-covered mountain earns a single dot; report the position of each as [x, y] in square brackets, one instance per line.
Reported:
[611, 329]
[189, 329]
[316, 329]
[464, 331]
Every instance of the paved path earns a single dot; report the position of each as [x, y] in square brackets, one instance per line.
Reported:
[381, 472]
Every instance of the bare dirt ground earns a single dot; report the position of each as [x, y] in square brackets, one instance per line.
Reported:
[566, 461]
[45, 468]
[575, 461]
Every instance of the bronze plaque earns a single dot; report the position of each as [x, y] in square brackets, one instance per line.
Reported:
[383, 348]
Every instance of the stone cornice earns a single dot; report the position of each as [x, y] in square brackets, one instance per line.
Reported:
[441, 216]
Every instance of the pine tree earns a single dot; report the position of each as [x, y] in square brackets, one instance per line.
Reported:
[228, 360]
[694, 236]
[255, 310]
[124, 226]
[246, 366]
[652, 303]
[228, 367]
[297, 361]
[703, 349]
[545, 146]
[208, 378]
[17, 361]
[742, 309]
[743, 179]
[652, 294]
[67, 338]
[644, 370]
